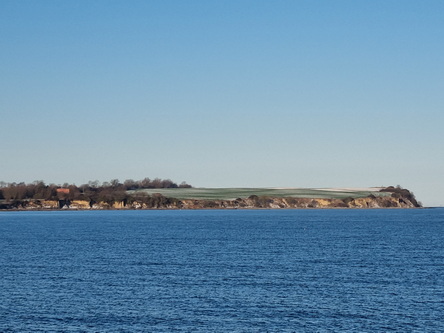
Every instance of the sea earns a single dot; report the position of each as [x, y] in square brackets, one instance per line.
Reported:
[327, 270]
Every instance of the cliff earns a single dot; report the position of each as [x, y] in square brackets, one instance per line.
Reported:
[276, 203]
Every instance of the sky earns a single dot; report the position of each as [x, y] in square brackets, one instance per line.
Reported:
[224, 93]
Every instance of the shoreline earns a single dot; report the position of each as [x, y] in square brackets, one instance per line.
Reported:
[385, 198]
[199, 208]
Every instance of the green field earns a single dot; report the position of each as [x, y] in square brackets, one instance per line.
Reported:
[234, 193]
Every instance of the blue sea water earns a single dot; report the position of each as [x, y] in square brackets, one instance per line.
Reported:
[222, 271]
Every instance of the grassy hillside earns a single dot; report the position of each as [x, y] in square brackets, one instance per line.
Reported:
[234, 193]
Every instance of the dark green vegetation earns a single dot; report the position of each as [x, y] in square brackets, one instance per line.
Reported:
[401, 193]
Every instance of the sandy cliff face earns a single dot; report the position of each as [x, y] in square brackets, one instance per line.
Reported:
[275, 203]
[79, 204]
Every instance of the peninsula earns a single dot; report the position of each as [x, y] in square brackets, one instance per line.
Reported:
[165, 194]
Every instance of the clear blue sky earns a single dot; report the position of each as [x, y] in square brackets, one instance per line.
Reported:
[224, 93]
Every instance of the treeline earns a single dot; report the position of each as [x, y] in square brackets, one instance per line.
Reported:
[111, 191]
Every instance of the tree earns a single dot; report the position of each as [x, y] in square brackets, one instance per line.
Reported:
[130, 184]
[93, 184]
[115, 183]
[184, 185]
[145, 183]
[156, 183]
[168, 183]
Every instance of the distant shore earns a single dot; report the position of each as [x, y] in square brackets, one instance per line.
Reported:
[230, 198]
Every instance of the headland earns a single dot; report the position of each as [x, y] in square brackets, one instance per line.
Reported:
[172, 196]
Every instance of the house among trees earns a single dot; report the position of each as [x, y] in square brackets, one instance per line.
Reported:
[63, 190]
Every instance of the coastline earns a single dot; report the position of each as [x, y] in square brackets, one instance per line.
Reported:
[390, 197]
